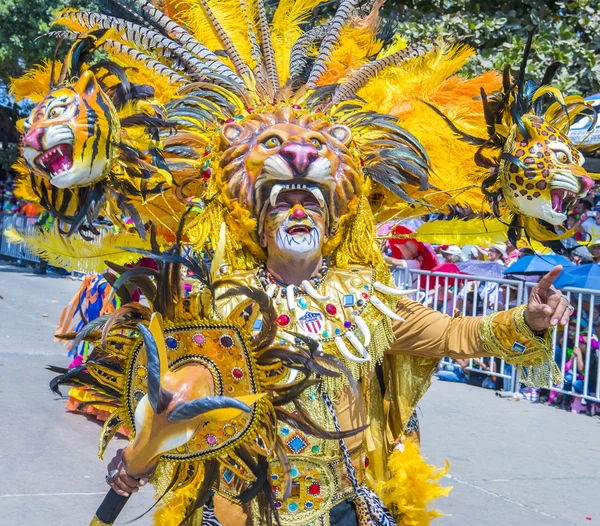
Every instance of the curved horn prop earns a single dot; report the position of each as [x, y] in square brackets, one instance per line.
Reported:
[392, 291]
[364, 328]
[310, 290]
[347, 354]
[204, 405]
[384, 309]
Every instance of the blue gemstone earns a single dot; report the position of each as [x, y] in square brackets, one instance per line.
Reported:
[337, 331]
[274, 477]
[172, 343]
[518, 347]
[366, 287]
[302, 303]
[308, 505]
[285, 431]
[297, 444]
[292, 507]
[282, 341]
[228, 476]
[257, 325]
[294, 472]
[349, 300]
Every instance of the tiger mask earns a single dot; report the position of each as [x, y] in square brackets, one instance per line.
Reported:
[543, 176]
[276, 152]
[70, 137]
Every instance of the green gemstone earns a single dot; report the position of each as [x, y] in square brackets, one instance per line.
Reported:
[316, 449]
[325, 334]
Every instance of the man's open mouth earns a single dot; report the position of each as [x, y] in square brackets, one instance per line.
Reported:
[562, 200]
[57, 159]
[299, 230]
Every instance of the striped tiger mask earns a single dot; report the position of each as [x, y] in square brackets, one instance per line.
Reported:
[70, 137]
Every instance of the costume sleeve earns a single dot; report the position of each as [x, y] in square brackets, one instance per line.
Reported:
[426, 332]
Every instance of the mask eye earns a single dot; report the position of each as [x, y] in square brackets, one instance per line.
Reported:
[316, 143]
[272, 142]
[562, 157]
[57, 112]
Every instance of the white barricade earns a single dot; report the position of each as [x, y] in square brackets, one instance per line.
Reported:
[580, 370]
[16, 251]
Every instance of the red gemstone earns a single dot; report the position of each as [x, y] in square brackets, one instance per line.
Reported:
[366, 462]
[331, 309]
[229, 120]
[283, 320]
[365, 295]
[314, 489]
[237, 373]
[249, 110]
[297, 107]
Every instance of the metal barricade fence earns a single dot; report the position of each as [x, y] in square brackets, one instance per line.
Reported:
[465, 295]
[580, 372]
[16, 251]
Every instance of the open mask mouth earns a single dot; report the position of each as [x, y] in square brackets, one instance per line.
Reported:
[56, 160]
[563, 200]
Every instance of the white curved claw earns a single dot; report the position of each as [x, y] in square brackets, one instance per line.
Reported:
[346, 353]
[310, 290]
[271, 290]
[357, 345]
[364, 328]
[392, 291]
[289, 290]
[292, 377]
[384, 309]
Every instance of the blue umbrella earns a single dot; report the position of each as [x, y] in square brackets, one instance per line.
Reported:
[537, 264]
[583, 277]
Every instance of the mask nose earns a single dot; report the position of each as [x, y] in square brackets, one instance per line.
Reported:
[299, 155]
[34, 138]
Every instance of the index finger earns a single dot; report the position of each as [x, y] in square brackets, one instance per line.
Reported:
[548, 279]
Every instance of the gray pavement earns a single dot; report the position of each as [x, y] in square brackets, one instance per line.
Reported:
[511, 463]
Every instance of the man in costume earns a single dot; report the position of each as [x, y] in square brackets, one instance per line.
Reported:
[283, 388]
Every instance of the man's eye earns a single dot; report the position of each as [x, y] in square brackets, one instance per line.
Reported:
[316, 143]
[272, 142]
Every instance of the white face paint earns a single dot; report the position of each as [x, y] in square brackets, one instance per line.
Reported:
[298, 243]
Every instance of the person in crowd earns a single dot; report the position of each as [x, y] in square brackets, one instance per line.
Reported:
[525, 251]
[594, 249]
[452, 254]
[590, 228]
[498, 253]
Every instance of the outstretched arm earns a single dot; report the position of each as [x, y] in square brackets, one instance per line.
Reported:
[509, 334]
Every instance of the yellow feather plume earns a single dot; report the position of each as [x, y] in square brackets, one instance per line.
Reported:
[462, 232]
[227, 12]
[75, 254]
[288, 18]
[412, 486]
[35, 84]
[356, 45]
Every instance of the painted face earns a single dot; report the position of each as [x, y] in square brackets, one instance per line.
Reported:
[295, 225]
[553, 177]
[70, 137]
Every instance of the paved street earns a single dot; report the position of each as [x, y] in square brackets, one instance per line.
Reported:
[512, 463]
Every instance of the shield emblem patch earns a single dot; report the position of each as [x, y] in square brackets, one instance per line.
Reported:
[311, 322]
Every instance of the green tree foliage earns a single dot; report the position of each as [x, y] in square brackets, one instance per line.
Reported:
[23, 24]
[567, 33]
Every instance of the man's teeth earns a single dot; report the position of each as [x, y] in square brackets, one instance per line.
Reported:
[314, 190]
